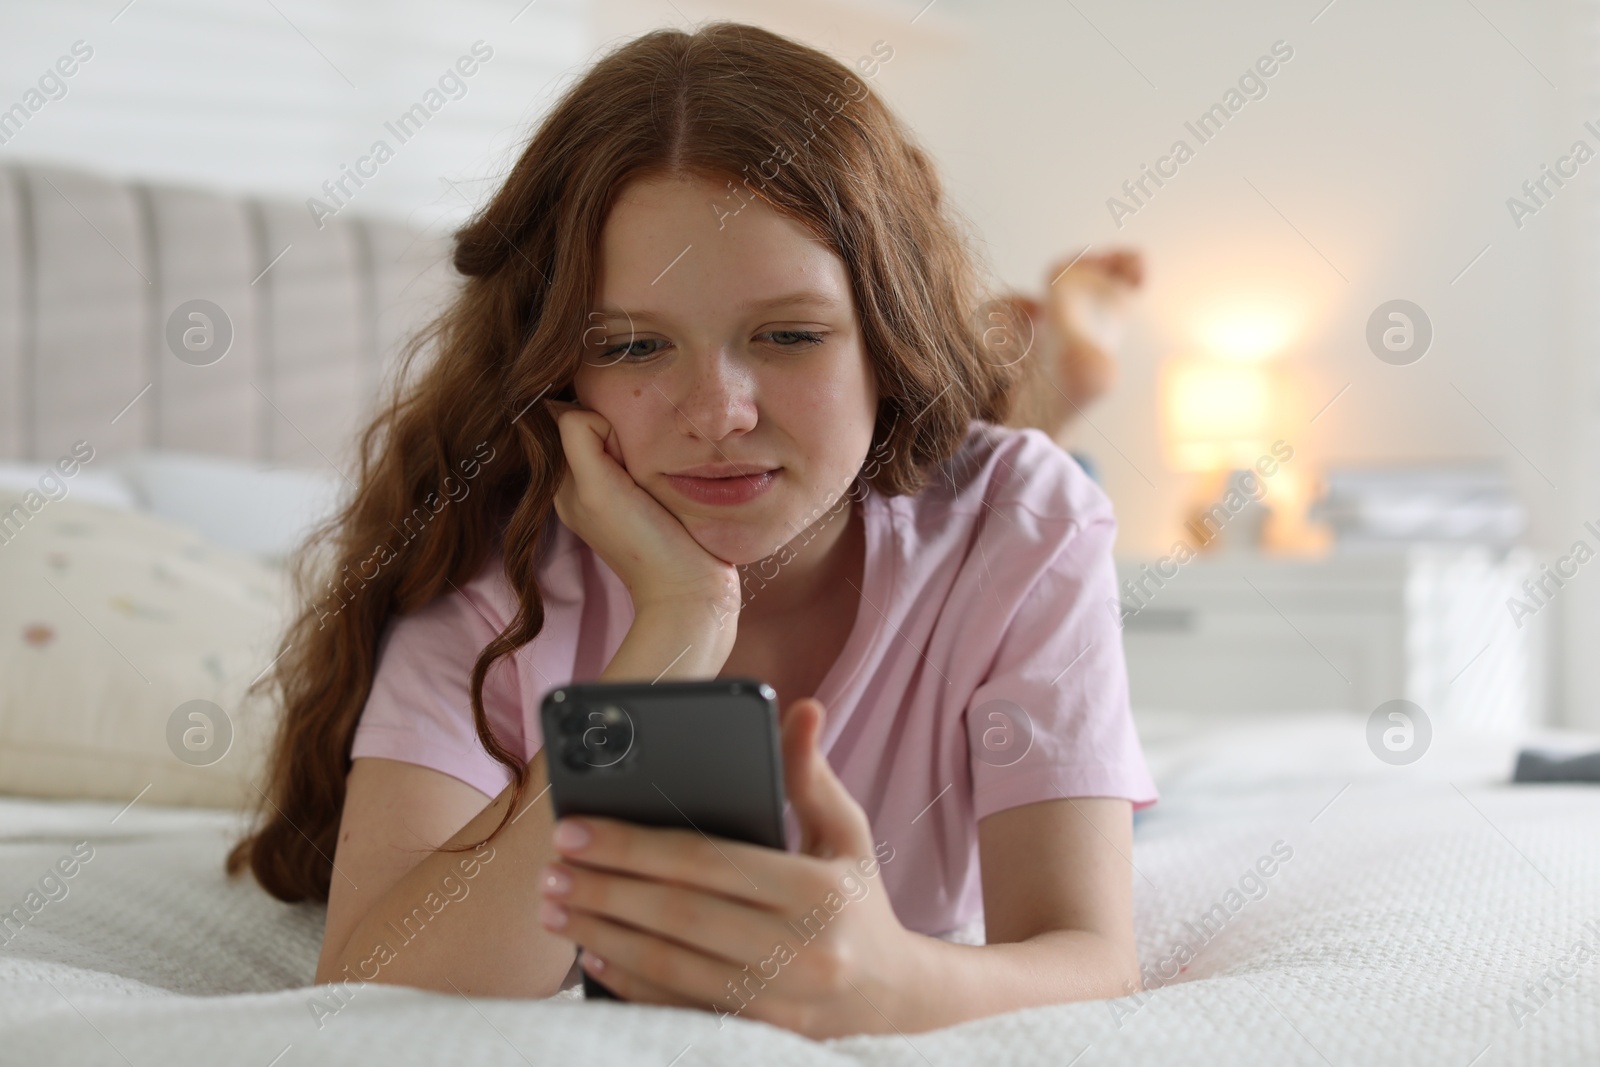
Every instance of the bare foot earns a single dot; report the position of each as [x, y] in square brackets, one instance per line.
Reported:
[1087, 301]
[1074, 335]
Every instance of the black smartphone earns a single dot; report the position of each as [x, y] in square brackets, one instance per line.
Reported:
[701, 755]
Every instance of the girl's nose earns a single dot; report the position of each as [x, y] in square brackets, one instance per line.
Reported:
[714, 395]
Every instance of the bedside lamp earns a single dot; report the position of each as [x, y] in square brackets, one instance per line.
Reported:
[1216, 414]
[1217, 417]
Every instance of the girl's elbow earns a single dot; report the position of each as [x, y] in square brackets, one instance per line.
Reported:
[1122, 975]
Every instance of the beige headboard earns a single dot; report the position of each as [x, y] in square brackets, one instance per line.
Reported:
[92, 269]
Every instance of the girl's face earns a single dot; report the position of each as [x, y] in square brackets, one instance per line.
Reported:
[727, 341]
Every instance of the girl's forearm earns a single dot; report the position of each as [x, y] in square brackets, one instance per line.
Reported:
[482, 930]
[691, 640]
[952, 983]
[467, 920]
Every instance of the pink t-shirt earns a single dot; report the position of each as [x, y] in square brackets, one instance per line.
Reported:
[984, 670]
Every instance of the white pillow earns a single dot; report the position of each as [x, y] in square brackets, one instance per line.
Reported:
[111, 622]
[97, 486]
[248, 507]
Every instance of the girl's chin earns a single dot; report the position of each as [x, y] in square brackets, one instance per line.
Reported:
[737, 550]
[735, 542]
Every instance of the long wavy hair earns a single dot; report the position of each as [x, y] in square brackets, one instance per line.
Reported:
[773, 118]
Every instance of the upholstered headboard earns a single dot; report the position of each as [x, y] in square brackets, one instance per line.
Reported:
[92, 270]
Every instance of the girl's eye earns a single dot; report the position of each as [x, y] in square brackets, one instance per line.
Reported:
[630, 353]
[625, 353]
[795, 338]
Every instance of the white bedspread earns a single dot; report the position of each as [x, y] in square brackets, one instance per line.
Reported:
[1431, 914]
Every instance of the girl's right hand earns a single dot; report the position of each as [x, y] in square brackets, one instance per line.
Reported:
[638, 538]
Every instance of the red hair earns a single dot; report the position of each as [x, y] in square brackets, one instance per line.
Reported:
[771, 117]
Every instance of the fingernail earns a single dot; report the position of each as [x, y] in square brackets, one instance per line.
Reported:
[552, 914]
[592, 962]
[571, 836]
[556, 881]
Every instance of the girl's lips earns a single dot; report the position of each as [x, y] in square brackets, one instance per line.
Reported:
[739, 489]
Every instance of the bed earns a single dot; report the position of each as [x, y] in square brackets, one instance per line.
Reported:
[1415, 911]
[1297, 901]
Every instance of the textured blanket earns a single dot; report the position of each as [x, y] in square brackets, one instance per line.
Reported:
[1298, 902]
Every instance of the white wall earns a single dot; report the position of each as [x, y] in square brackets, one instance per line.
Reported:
[1577, 280]
[276, 98]
[1390, 142]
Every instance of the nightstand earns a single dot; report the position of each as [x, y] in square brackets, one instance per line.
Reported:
[1240, 632]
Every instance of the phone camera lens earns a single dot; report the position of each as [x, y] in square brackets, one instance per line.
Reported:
[571, 720]
[574, 756]
[600, 737]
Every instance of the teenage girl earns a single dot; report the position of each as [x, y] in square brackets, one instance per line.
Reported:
[720, 396]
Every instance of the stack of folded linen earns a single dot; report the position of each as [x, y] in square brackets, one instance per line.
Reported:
[1387, 505]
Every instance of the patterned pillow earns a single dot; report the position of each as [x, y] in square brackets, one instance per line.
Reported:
[126, 645]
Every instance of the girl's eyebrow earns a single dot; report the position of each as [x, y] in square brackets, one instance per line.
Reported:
[812, 298]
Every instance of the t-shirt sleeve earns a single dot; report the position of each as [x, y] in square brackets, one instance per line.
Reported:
[1051, 719]
[419, 710]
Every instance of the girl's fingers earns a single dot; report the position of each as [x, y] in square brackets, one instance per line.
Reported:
[637, 536]
[581, 438]
[832, 823]
[674, 968]
[612, 446]
[594, 457]
[713, 924]
[635, 988]
[766, 877]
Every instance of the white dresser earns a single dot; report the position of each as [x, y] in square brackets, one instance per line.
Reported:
[1240, 632]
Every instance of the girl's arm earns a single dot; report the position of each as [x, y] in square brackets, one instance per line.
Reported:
[400, 913]
[810, 941]
[1058, 915]
[484, 939]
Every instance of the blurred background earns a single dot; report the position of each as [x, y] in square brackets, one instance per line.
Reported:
[1374, 264]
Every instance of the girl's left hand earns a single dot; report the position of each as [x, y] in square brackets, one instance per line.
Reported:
[808, 942]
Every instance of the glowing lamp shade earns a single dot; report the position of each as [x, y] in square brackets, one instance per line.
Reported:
[1216, 414]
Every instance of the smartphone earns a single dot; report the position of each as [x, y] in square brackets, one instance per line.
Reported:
[701, 755]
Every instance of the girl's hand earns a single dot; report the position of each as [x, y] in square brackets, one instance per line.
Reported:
[808, 942]
[639, 539]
